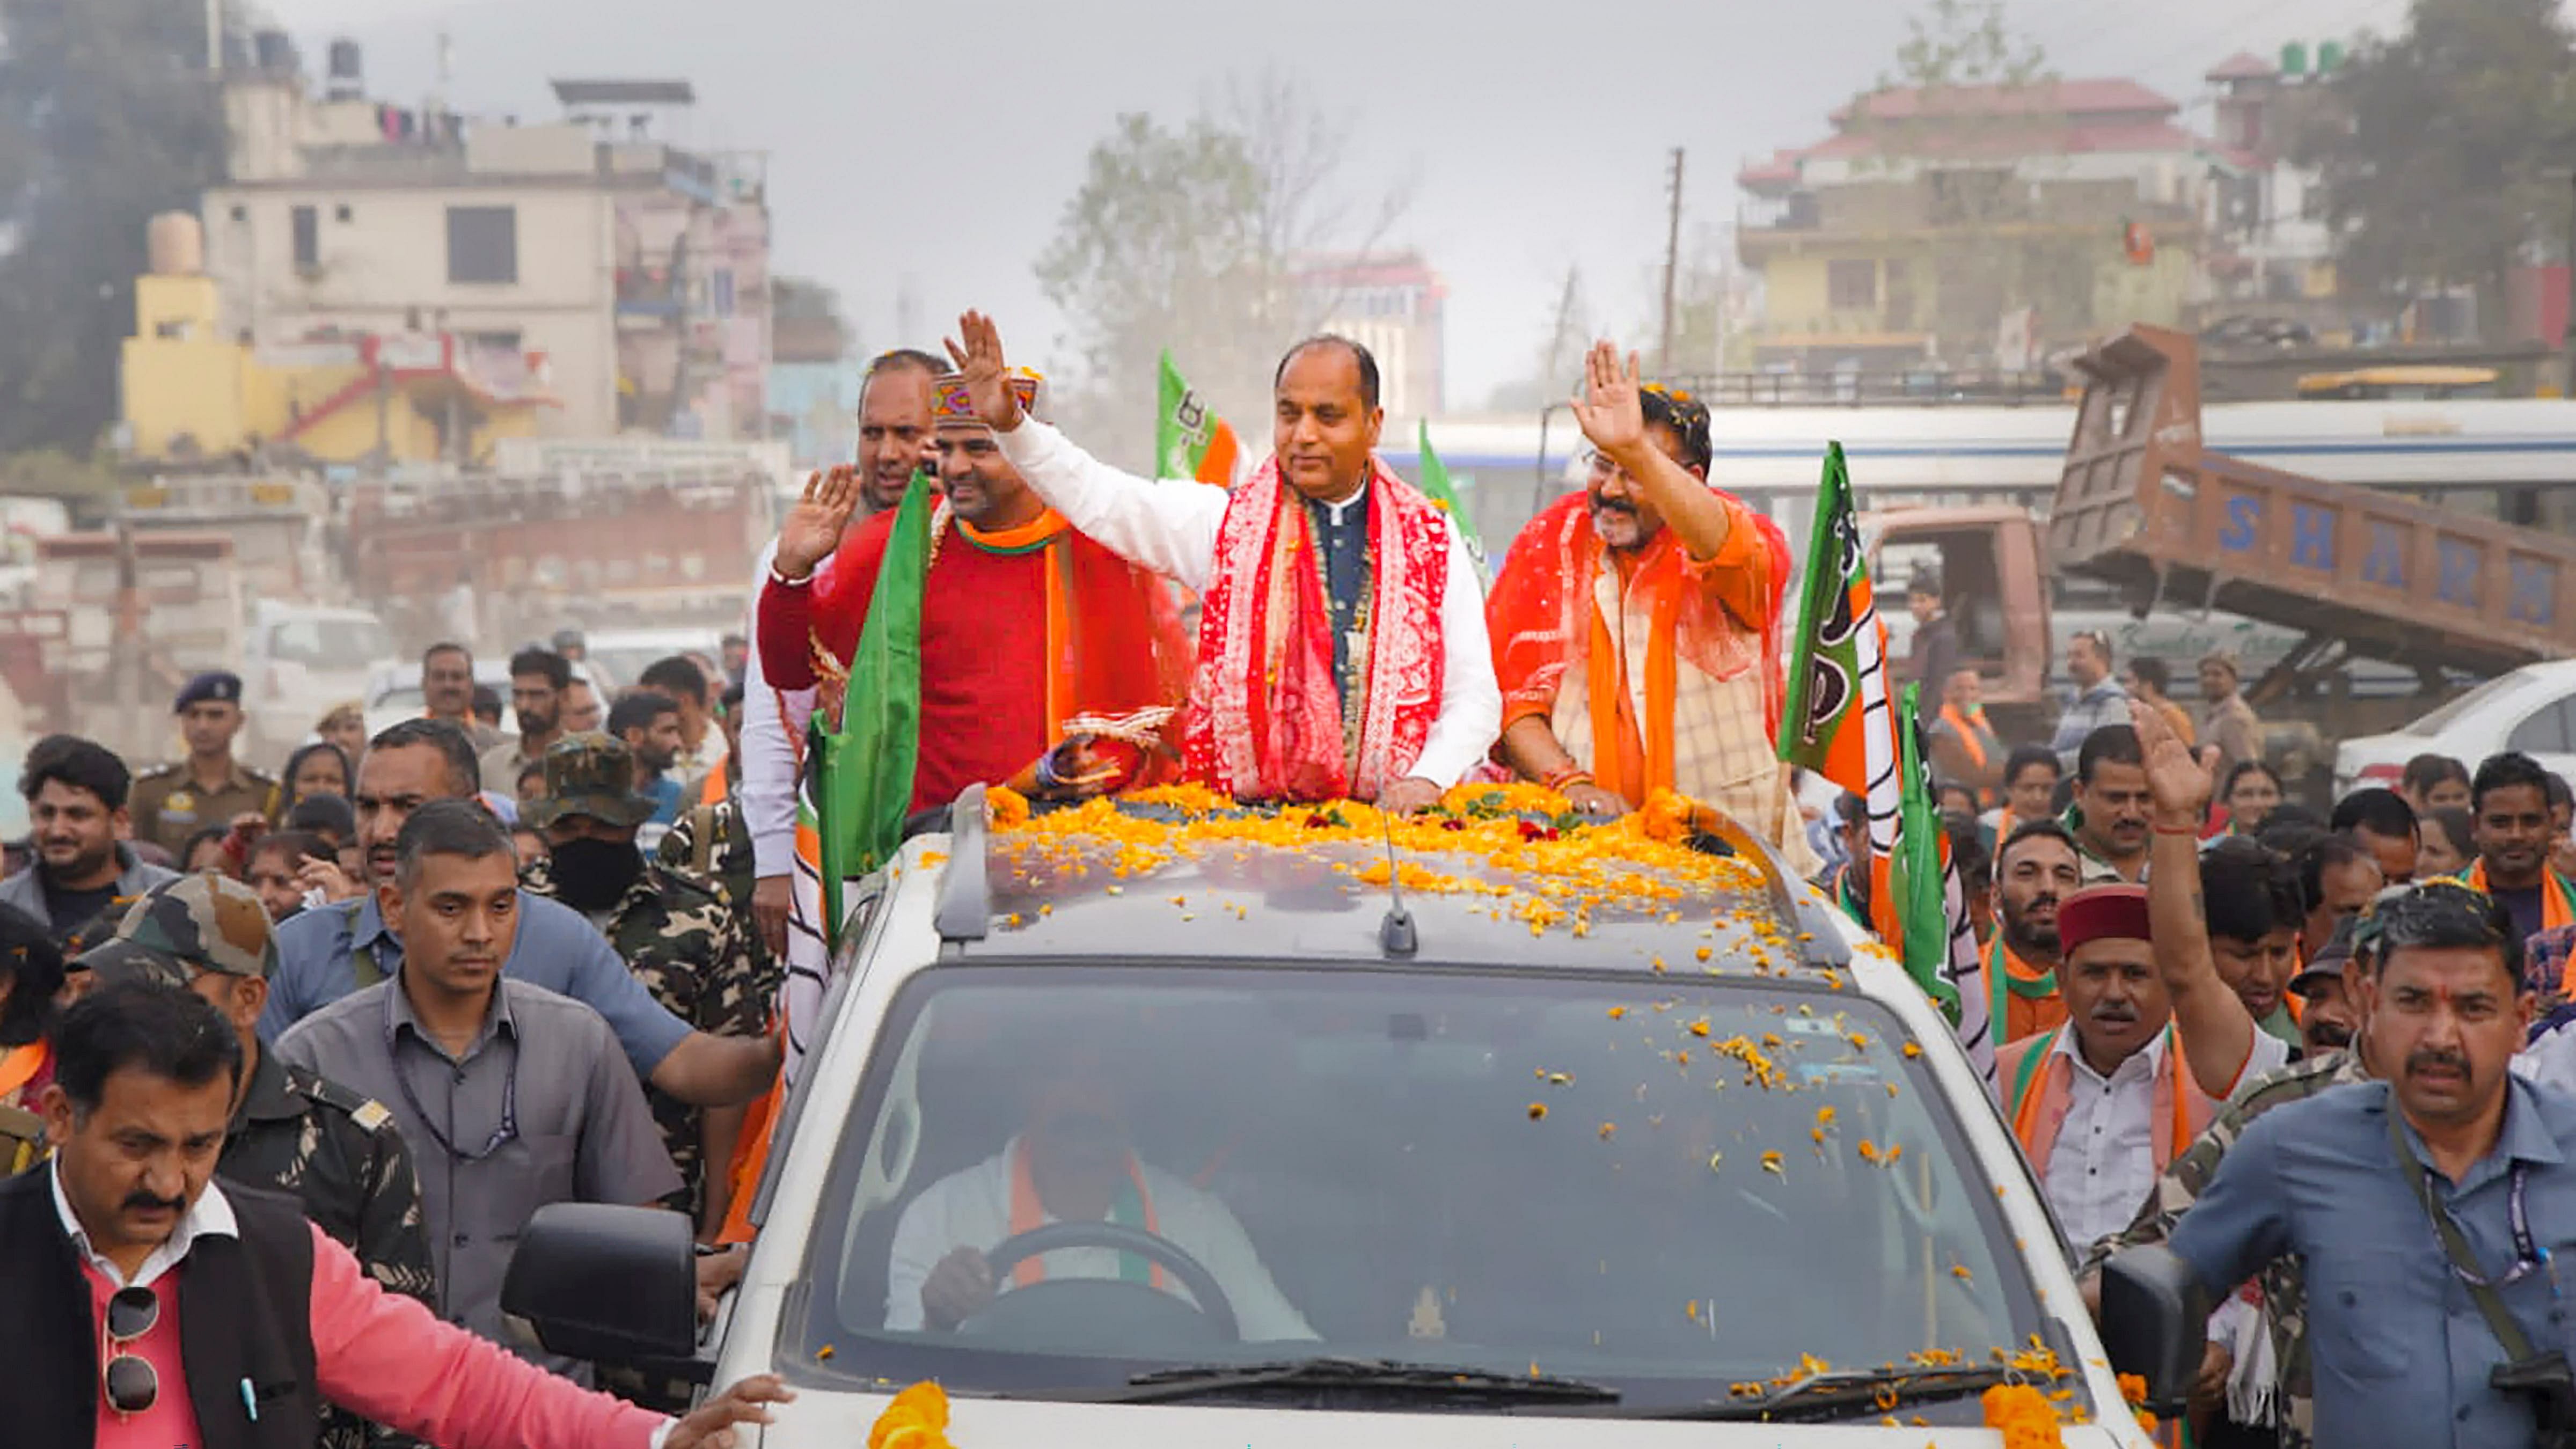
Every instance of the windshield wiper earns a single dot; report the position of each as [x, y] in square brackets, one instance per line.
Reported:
[1307, 1375]
[1836, 1394]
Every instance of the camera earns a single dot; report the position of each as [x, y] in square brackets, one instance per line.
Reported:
[2550, 1384]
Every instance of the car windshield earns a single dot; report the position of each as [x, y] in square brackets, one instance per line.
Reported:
[2441, 719]
[330, 643]
[1665, 1189]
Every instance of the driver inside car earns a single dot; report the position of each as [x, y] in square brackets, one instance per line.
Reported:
[1070, 1162]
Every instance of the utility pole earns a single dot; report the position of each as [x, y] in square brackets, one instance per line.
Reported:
[2567, 384]
[1672, 263]
[1568, 304]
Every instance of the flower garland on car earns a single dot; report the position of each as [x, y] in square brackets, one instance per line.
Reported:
[1561, 864]
[917, 1419]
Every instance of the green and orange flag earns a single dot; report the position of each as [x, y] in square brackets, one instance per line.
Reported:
[1190, 440]
[863, 768]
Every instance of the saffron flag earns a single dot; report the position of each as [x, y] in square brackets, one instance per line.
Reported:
[1839, 720]
[863, 769]
[1189, 440]
[1437, 487]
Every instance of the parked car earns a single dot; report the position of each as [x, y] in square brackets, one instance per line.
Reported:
[1703, 1170]
[298, 661]
[2531, 709]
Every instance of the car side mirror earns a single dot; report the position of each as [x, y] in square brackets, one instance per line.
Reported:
[2155, 1316]
[605, 1282]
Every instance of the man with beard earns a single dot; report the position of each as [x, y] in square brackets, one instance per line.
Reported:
[2108, 817]
[1635, 626]
[2154, 1041]
[325, 954]
[2253, 909]
[679, 937]
[76, 794]
[2328, 1014]
[647, 721]
[2421, 1204]
[1342, 647]
[539, 679]
[2035, 870]
[1070, 1162]
[2509, 798]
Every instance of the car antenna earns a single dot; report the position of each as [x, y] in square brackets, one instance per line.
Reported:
[1395, 934]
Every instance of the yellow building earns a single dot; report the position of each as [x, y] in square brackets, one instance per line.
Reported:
[193, 390]
[1975, 224]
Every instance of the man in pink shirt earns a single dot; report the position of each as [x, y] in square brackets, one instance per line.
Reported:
[150, 1306]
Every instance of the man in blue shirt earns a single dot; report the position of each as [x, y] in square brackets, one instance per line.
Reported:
[2098, 699]
[323, 955]
[2401, 1353]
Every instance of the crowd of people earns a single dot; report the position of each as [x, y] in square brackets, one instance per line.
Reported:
[413, 986]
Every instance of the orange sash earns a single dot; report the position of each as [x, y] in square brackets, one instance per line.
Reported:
[1028, 1214]
[1967, 735]
[1629, 761]
[19, 1065]
[2043, 1089]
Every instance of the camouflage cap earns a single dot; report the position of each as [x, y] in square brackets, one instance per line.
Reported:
[589, 774]
[206, 920]
[119, 962]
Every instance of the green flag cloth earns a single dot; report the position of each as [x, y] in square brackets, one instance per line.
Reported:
[863, 773]
[1190, 441]
[1437, 487]
[1915, 875]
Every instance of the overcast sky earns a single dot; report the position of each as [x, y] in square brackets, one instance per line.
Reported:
[924, 148]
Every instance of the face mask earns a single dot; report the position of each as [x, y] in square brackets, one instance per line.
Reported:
[590, 875]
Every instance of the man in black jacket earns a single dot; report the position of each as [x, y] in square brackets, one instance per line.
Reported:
[148, 1301]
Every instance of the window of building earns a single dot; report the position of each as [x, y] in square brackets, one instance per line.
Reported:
[1851, 285]
[483, 244]
[307, 224]
[340, 212]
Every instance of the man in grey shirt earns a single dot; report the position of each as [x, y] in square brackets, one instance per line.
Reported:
[510, 1096]
[2099, 700]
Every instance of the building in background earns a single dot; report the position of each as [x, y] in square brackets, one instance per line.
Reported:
[813, 377]
[626, 272]
[1975, 225]
[1391, 304]
[2270, 250]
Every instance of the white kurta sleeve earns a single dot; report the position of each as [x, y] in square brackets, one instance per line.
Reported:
[769, 725]
[1169, 528]
[1471, 703]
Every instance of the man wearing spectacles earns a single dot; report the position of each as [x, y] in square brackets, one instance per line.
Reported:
[511, 1097]
[1634, 625]
[148, 1304]
[2427, 1206]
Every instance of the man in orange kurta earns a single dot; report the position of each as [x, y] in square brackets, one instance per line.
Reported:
[1636, 625]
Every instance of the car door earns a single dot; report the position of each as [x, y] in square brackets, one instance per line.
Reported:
[2547, 734]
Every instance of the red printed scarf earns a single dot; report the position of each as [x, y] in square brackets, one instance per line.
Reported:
[1266, 722]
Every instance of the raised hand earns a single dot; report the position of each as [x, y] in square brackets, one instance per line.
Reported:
[988, 374]
[814, 525]
[1608, 404]
[2176, 780]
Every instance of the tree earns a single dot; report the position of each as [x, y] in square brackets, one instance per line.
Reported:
[107, 116]
[2443, 153]
[1191, 238]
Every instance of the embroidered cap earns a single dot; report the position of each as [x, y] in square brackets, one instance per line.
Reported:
[950, 402]
[2102, 913]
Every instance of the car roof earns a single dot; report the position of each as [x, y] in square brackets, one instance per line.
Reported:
[1517, 888]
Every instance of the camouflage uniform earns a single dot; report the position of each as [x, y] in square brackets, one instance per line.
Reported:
[710, 844]
[335, 1149]
[2281, 1282]
[682, 939]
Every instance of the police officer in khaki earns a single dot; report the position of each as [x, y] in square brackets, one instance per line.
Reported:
[209, 788]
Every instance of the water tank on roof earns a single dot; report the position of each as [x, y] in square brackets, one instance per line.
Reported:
[346, 77]
[176, 244]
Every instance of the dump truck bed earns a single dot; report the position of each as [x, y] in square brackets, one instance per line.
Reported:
[2141, 503]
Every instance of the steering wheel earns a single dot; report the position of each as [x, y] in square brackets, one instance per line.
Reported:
[1213, 1305]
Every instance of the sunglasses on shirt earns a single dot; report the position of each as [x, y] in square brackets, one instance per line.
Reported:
[128, 1380]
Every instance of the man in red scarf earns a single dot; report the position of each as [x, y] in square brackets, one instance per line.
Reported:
[1636, 625]
[1342, 646]
[1026, 624]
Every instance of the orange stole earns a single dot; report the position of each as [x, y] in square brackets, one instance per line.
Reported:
[2043, 1089]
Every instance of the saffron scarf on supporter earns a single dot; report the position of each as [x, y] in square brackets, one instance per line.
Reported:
[1972, 733]
[1545, 624]
[2557, 896]
[2019, 981]
[2042, 1091]
[1267, 722]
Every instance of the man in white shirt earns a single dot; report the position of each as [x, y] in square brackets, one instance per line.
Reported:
[1071, 1162]
[1342, 643]
[2154, 1042]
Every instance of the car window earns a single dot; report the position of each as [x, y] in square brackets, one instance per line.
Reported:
[2545, 731]
[1665, 1189]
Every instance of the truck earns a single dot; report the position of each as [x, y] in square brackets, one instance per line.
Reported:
[2364, 579]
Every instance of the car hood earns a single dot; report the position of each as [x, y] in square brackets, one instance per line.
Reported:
[827, 1420]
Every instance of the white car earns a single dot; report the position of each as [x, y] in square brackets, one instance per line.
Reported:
[1704, 1171]
[622, 655]
[2532, 709]
[298, 661]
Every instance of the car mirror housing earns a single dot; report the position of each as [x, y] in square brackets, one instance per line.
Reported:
[2154, 1316]
[605, 1282]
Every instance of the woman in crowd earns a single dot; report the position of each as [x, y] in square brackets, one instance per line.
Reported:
[316, 769]
[2444, 847]
[31, 976]
[2251, 794]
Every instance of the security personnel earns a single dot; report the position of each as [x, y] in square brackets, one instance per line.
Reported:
[334, 1150]
[172, 802]
[681, 938]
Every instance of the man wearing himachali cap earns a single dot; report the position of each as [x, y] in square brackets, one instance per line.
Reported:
[2154, 1041]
